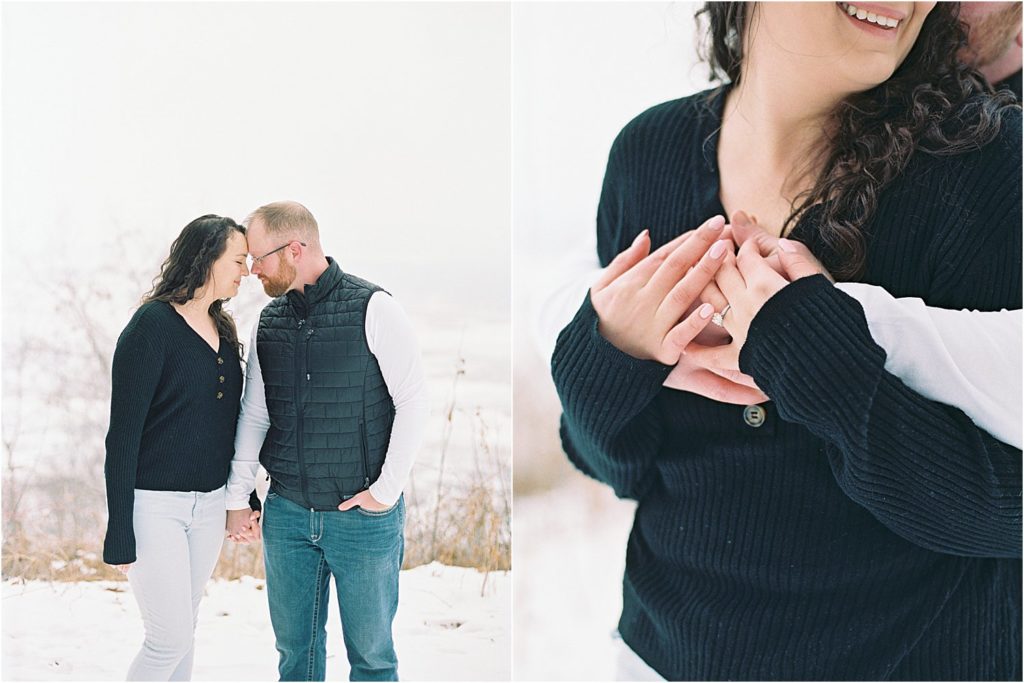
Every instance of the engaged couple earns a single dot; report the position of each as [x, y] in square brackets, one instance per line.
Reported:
[334, 408]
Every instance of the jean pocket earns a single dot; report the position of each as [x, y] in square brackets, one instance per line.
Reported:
[379, 513]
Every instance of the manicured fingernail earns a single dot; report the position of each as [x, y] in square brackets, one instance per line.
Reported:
[718, 250]
[740, 218]
[640, 236]
[787, 246]
[705, 311]
[716, 223]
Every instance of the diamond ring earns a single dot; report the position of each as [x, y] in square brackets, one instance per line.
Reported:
[719, 318]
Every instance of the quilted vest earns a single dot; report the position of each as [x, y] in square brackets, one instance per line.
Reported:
[330, 410]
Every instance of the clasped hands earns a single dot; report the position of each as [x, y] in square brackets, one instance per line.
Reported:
[659, 305]
[243, 525]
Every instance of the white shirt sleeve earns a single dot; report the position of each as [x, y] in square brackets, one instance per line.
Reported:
[253, 423]
[557, 286]
[392, 341]
[967, 359]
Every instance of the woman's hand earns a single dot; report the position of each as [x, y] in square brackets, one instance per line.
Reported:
[123, 568]
[641, 297]
[243, 525]
[747, 281]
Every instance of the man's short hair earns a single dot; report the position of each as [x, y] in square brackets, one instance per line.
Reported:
[288, 219]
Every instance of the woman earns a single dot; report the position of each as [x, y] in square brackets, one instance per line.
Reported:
[849, 528]
[175, 394]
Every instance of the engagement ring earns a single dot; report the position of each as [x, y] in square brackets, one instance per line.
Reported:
[718, 318]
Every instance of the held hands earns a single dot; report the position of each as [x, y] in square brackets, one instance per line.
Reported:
[764, 265]
[657, 306]
[243, 526]
[364, 500]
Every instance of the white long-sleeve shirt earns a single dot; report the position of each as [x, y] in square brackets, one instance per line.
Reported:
[967, 359]
[392, 340]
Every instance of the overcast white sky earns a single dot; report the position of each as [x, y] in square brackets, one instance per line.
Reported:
[581, 71]
[390, 121]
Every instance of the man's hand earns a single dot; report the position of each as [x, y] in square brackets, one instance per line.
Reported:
[718, 384]
[364, 500]
[641, 298]
[788, 258]
[243, 526]
[798, 261]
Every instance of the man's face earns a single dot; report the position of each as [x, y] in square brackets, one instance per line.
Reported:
[276, 272]
[993, 27]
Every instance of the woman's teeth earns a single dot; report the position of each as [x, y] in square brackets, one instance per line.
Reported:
[864, 15]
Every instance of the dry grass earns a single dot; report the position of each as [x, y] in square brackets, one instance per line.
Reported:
[53, 524]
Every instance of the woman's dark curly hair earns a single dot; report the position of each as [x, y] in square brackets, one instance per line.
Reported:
[932, 103]
[188, 267]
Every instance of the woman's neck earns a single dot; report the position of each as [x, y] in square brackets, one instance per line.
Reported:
[196, 308]
[771, 146]
[781, 121]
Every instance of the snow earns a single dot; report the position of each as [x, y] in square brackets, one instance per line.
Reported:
[452, 624]
[569, 552]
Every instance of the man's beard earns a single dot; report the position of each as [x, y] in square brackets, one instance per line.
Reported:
[991, 36]
[279, 284]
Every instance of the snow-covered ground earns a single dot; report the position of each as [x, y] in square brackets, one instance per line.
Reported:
[452, 624]
[569, 552]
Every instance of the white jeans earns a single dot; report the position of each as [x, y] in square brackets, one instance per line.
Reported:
[178, 537]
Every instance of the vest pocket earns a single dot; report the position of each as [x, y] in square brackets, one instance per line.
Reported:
[365, 452]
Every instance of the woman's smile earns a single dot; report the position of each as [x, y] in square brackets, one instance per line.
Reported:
[873, 19]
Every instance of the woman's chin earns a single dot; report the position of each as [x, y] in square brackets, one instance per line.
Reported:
[873, 72]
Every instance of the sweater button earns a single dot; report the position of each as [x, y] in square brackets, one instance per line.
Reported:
[754, 416]
[220, 394]
[221, 378]
[220, 361]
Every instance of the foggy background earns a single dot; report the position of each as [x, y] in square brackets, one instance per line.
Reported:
[581, 71]
[122, 122]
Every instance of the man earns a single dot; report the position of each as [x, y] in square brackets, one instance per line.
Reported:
[334, 408]
[995, 42]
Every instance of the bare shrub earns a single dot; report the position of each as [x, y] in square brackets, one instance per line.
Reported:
[54, 518]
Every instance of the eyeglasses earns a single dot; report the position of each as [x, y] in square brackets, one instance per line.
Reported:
[259, 259]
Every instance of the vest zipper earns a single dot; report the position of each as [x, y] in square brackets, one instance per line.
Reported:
[298, 421]
[309, 336]
[364, 449]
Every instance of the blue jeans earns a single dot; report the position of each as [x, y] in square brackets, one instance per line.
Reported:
[302, 548]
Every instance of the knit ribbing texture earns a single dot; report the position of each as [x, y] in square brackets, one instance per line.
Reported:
[862, 532]
[173, 408]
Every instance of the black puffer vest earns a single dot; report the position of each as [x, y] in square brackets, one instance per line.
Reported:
[330, 410]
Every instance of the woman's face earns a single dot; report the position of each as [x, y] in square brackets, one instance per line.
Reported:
[227, 272]
[855, 46]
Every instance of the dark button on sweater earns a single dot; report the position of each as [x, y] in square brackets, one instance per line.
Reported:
[863, 532]
[168, 431]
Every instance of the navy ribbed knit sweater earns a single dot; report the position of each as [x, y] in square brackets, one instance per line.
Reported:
[862, 531]
[173, 407]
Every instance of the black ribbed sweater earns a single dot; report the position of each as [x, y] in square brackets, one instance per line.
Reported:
[861, 532]
[173, 407]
